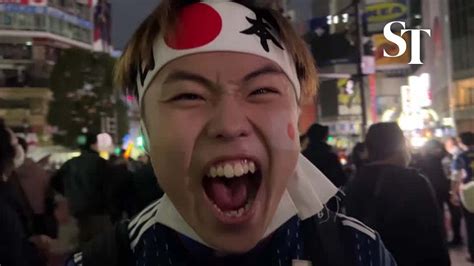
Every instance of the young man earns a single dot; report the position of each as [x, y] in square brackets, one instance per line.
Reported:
[462, 170]
[397, 201]
[219, 85]
[84, 181]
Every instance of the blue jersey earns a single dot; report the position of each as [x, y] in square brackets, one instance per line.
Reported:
[465, 161]
[154, 244]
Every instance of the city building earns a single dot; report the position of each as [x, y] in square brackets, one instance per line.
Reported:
[462, 37]
[418, 97]
[32, 35]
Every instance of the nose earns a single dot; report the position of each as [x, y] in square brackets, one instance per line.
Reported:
[229, 120]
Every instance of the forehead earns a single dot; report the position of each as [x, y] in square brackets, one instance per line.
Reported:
[219, 64]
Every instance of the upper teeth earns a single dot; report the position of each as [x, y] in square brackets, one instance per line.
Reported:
[232, 169]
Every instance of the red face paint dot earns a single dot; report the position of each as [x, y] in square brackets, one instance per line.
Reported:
[197, 25]
[291, 132]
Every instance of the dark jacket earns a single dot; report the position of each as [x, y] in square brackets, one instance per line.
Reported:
[321, 155]
[400, 204]
[431, 166]
[15, 249]
[83, 180]
[145, 188]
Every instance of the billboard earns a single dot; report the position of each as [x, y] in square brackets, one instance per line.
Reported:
[348, 98]
[389, 63]
[379, 12]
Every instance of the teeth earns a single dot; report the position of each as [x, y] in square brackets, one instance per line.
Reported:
[240, 212]
[246, 168]
[232, 169]
[220, 171]
[228, 171]
[252, 167]
[238, 169]
[235, 213]
[213, 172]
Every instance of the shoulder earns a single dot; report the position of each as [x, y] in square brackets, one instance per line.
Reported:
[364, 243]
[142, 224]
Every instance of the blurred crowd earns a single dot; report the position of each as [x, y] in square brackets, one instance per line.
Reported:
[47, 214]
[415, 200]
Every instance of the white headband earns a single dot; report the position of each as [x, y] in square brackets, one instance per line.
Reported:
[213, 26]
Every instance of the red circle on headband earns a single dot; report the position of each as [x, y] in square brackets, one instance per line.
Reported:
[197, 25]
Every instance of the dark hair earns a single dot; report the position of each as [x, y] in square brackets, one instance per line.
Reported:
[384, 140]
[467, 138]
[317, 132]
[435, 147]
[356, 155]
[7, 151]
[90, 139]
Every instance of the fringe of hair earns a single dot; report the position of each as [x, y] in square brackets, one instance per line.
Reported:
[163, 19]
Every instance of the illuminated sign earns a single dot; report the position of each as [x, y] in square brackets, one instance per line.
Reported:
[384, 12]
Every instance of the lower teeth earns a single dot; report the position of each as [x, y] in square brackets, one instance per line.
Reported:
[237, 213]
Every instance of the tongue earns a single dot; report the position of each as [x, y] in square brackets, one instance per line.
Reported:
[229, 194]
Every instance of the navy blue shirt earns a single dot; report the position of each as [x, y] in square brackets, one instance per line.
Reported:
[154, 244]
[465, 161]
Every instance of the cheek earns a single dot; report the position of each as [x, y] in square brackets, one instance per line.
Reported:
[291, 131]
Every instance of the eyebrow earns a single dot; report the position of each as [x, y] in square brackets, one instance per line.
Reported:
[267, 69]
[180, 75]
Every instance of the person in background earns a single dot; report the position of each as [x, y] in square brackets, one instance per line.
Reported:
[33, 184]
[463, 173]
[145, 188]
[18, 246]
[397, 201]
[319, 153]
[455, 211]
[430, 164]
[84, 181]
[359, 156]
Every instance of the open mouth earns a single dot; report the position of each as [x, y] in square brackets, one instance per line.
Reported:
[232, 187]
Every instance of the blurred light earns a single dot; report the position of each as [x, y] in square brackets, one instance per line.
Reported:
[29, 43]
[343, 161]
[439, 133]
[140, 142]
[345, 18]
[418, 141]
[448, 122]
[81, 140]
[117, 151]
[329, 20]
[417, 16]
[389, 115]
[128, 151]
[104, 142]
[104, 155]
[130, 98]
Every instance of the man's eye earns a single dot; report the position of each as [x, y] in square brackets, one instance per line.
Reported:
[262, 91]
[187, 97]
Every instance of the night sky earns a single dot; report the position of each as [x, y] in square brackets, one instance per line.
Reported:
[126, 16]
